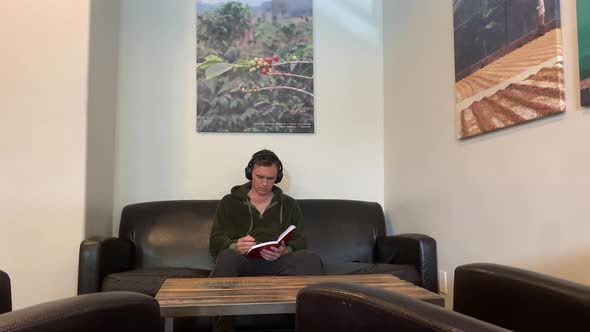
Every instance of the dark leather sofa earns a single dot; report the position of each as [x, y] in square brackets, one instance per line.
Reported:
[521, 300]
[103, 312]
[159, 240]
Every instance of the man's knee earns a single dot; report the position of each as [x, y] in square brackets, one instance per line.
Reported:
[305, 262]
[227, 263]
[228, 253]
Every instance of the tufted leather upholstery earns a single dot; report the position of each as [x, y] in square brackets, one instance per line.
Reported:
[344, 307]
[520, 300]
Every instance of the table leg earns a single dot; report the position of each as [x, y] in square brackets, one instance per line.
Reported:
[169, 324]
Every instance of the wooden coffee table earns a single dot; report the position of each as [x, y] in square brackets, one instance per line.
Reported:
[189, 297]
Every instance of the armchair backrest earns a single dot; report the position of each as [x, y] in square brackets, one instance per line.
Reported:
[338, 306]
[97, 312]
[5, 293]
[176, 233]
[520, 300]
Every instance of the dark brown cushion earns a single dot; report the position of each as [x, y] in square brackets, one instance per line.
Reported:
[148, 281]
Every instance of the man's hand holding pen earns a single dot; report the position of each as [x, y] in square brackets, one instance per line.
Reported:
[244, 244]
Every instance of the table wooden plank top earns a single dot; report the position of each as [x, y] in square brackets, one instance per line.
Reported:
[184, 297]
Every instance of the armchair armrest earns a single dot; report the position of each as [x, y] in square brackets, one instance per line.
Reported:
[109, 311]
[99, 257]
[418, 250]
[338, 306]
[5, 295]
[519, 299]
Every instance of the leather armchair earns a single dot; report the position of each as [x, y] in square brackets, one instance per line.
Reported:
[520, 300]
[343, 307]
[5, 296]
[101, 312]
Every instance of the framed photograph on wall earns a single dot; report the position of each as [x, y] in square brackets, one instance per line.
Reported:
[583, 10]
[255, 66]
[508, 63]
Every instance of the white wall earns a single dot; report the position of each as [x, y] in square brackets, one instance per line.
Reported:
[161, 156]
[516, 197]
[43, 81]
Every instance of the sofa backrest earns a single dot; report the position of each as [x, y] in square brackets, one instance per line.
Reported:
[342, 230]
[176, 233]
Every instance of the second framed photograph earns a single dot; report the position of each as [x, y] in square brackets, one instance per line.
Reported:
[508, 63]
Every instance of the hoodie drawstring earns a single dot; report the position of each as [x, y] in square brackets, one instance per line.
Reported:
[281, 212]
[252, 216]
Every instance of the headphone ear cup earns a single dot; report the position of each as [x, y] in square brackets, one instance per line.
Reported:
[248, 172]
[279, 176]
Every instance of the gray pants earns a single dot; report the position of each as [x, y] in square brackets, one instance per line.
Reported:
[231, 263]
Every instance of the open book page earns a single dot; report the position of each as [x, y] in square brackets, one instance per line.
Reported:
[285, 236]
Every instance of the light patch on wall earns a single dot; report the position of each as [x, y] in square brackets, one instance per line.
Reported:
[354, 16]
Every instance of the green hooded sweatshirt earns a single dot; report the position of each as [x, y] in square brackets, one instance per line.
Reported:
[236, 217]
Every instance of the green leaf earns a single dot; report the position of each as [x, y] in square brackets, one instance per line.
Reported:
[209, 60]
[217, 69]
[244, 63]
[213, 57]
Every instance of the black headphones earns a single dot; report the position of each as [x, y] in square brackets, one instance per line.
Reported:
[264, 154]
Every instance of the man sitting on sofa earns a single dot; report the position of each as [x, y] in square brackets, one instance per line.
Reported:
[258, 212]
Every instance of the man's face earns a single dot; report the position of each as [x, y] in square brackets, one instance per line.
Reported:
[263, 178]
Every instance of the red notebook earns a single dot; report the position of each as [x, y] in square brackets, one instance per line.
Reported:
[285, 236]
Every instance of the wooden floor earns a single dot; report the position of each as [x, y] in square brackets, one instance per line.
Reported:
[261, 295]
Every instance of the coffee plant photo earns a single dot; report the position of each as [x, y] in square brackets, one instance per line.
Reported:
[255, 66]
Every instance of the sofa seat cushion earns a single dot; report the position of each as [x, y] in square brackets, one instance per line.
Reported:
[408, 273]
[148, 281]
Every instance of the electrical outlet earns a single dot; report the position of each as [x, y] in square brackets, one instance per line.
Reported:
[442, 282]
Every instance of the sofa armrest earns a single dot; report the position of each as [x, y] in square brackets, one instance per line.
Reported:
[418, 250]
[109, 311]
[339, 306]
[5, 295]
[99, 257]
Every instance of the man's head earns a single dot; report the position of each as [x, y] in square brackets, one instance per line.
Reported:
[265, 159]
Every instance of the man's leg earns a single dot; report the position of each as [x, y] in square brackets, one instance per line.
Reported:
[299, 263]
[228, 264]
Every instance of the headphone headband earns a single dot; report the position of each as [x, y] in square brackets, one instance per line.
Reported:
[264, 154]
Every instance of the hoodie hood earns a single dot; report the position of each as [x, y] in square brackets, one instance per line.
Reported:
[241, 191]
